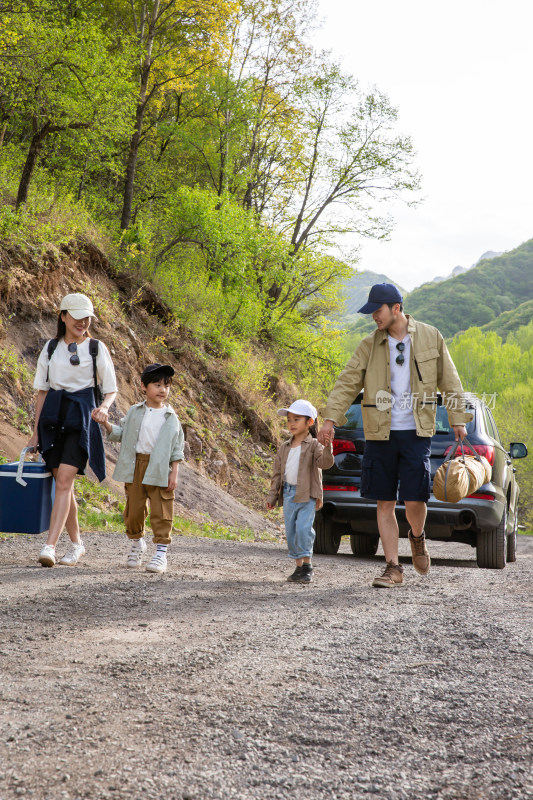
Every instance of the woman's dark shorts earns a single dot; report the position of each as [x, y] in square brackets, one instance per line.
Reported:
[67, 450]
[403, 459]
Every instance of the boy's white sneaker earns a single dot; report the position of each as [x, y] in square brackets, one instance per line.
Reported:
[47, 556]
[75, 551]
[136, 553]
[158, 563]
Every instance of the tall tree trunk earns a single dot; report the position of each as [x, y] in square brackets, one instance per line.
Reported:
[33, 153]
[2, 134]
[135, 140]
[131, 168]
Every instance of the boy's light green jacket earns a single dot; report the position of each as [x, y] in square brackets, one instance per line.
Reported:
[431, 368]
[168, 447]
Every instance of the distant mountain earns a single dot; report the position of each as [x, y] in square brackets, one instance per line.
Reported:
[459, 270]
[478, 296]
[509, 321]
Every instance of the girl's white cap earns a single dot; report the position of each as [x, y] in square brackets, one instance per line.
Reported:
[301, 407]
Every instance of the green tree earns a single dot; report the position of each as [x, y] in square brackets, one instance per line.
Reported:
[60, 76]
[174, 39]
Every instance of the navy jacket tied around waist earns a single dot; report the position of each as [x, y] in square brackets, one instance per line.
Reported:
[76, 407]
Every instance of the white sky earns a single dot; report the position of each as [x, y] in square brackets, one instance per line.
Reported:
[461, 74]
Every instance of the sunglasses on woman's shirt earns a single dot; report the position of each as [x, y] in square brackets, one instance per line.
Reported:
[75, 359]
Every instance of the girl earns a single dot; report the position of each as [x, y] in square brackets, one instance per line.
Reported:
[297, 484]
[66, 436]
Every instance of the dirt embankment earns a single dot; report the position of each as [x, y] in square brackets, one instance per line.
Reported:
[220, 681]
[229, 445]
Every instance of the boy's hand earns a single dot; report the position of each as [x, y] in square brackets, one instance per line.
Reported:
[270, 506]
[172, 482]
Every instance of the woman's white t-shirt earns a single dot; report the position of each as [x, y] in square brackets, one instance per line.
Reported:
[291, 466]
[64, 375]
[150, 429]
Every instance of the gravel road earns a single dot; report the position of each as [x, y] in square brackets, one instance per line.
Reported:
[219, 680]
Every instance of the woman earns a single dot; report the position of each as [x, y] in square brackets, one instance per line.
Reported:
[64, 432]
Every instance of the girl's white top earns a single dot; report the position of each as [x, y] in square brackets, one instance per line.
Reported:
[291, 467]
[150, 429]
[64, 375]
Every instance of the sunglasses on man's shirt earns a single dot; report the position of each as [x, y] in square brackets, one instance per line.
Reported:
[399, 358]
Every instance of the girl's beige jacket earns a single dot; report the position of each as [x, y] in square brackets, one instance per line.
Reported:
[313, 457]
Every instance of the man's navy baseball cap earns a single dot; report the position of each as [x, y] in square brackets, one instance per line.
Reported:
[381, 293]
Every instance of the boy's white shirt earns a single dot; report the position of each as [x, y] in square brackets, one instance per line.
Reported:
[153, 421]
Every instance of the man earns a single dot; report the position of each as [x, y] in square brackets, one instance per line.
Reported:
[400, 367]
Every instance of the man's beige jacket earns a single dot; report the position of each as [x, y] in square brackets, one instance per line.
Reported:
[431, 368]
[313, 457]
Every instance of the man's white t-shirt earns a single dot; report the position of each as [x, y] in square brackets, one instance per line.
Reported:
[402, 417]
[150, 429]
[64, 375]
[291, 467]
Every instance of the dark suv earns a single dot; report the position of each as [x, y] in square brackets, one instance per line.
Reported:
[486, 520]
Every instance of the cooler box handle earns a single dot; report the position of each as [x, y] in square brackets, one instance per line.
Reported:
[19, 478]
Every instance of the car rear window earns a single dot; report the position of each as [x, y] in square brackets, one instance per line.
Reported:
[442, 423]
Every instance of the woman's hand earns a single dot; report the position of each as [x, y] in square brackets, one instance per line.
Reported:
[100, 414]
[32, 442]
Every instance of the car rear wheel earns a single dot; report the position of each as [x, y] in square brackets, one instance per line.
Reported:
[327, 539]
[511, 541]
[364, 544]
[491, 548]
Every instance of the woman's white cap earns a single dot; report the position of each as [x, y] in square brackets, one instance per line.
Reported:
[301, 407]
[78, 306]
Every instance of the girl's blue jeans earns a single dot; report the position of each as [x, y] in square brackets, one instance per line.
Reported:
[299, 518]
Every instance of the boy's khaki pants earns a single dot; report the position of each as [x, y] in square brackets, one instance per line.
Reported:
[138, 495]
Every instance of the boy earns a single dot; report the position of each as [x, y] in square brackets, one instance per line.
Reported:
[152, 446]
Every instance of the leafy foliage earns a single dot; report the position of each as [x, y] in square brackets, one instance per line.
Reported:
[219, 153]
[489, 366]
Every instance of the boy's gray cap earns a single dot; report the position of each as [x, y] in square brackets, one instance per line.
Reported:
[381, 293]
[301, 407]
[166, 369]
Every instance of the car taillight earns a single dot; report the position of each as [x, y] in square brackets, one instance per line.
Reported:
[331, 488]
[486, 450]
[481, 496]
[342, 446]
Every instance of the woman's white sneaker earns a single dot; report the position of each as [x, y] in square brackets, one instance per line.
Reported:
[158, 563]
[136, 553]
[47, 556]
[75, 551]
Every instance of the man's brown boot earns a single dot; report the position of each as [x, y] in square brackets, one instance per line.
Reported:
[419, 551]
[392, 577]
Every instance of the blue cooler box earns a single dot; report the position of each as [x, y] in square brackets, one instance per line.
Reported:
[25, 496]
